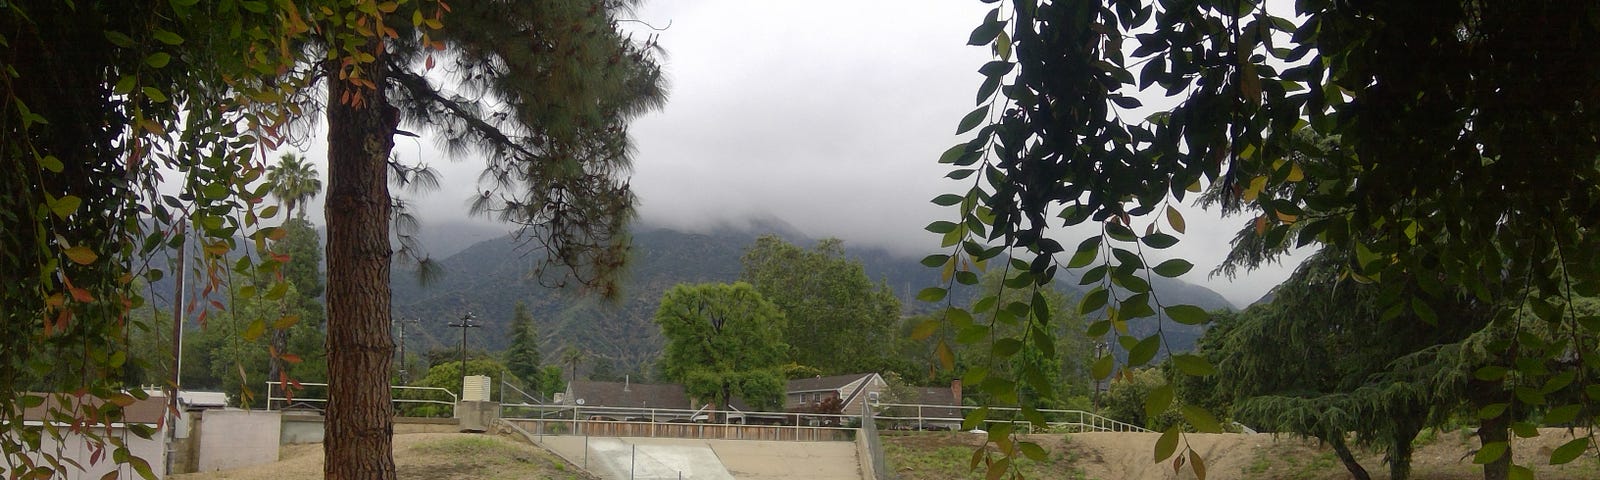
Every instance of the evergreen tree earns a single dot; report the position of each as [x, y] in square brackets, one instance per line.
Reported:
[522, 357]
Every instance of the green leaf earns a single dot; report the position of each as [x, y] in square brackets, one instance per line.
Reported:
[1167, 444]
[1489, 453]
[1158, 401]
[125, 85]
[1193, 365]
[1569, 451]
[988, 30]
[167, 37]
[925, 329]
[154, 94]
[1519, 472]
[1173, 268]
[1492, 410]
[947, 199]
[1159, 240]
[1187, 314]
[996, 69]
[931, 294]
[1033, 451]
[1086, 253]
[1563, 414]
[1524, 429]
[1144, 351]
[1094, 300]
[935, 260]
[990, 84]
[1098, 328]
[1201, 419]
[941, 226]
[51, 163]
[65, 206]
[255, 330]
[119, 39]
[972, 119]
[1006, 347]
[158, 59]
[953, 154]
[81, 255]
[1101, 368]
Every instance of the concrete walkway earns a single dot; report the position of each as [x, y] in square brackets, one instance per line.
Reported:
[671, 458]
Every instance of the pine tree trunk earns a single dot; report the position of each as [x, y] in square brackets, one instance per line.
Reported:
[1357, 471]
[1492, 430]
[360, 415]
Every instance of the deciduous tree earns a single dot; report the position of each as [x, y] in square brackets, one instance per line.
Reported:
[839, 320]
[724, 341]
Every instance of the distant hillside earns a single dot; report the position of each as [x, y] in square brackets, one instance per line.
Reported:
[488, 278]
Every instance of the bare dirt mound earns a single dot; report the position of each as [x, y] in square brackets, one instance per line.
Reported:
[422, 456]
[1440, 455]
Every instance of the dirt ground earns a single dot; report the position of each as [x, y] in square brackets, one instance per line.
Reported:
[1441, 455]
[422, 456]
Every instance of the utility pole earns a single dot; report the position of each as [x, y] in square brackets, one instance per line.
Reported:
[404, 378]
[466, 323]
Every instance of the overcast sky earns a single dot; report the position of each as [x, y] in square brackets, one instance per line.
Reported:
[826, 115]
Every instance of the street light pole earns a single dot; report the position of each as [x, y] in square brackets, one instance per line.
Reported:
[466, 322]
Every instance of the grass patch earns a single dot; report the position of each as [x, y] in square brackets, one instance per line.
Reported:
[481, 457]
[948, 456]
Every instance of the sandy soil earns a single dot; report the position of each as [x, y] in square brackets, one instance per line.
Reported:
[422, 456]
[1129, 455]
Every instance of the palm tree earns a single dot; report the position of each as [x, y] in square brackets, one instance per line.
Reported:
[294, 182]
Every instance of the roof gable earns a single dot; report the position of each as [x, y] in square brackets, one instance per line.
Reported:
[820, 384]
[634, 395]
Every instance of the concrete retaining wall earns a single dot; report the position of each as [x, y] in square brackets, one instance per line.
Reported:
[231, 439]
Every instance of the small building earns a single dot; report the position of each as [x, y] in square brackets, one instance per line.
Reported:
[939, 408]
[96, 458]
[852, 391]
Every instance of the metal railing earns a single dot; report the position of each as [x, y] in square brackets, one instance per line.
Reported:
[952, 416]
[276, 388]
[681, 423]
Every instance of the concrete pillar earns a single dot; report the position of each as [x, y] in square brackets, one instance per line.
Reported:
[475, 416]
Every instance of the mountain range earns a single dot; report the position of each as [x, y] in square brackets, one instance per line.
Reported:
[488, 279]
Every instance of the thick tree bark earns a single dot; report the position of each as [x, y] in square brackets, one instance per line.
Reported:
[360, 416]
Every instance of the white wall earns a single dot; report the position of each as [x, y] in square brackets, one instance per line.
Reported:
[77, 448]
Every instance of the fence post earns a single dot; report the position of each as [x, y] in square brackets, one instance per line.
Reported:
[633, 460]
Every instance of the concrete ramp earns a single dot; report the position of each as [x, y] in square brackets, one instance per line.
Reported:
[671, 458]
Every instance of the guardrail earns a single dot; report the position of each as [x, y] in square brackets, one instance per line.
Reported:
[679, 423]
[276, 388]
[916, 416]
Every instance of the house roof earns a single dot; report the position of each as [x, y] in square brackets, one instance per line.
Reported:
[938, 396]
[147, 411]
[620, 394]
[820, 384]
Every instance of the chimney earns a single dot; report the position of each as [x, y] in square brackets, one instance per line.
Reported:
[955, 390]
[625, 384]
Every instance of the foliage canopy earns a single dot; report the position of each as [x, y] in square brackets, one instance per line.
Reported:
[723, 342]
[1461, 142]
